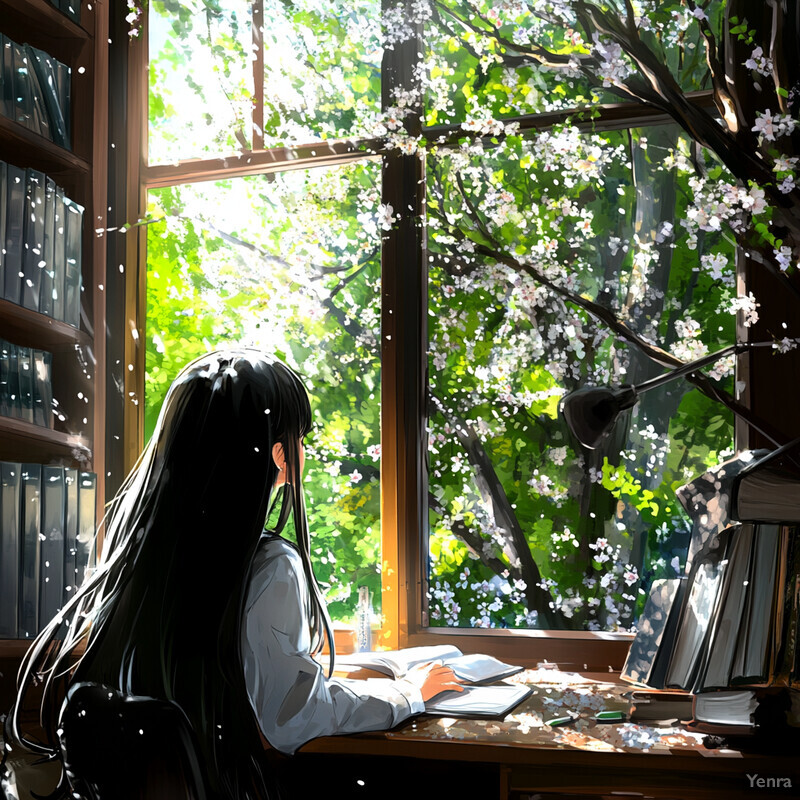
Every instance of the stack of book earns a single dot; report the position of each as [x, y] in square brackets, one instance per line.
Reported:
[726, 632]
[35, 90]
[47, 531]
[26, 389]
[41, 231]
[72, 8]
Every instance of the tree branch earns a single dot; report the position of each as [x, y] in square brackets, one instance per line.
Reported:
[539, 54]
[742, 162]
[475, 542]
[617, 326]
[722, 97]
[517, 549]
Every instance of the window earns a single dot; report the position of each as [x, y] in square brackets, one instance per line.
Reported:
[456, 223]
[244, 261]
[528, 529]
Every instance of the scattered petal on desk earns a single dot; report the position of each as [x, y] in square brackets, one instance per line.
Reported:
[576, 699]
[584, 741]
[493, 730]
[500, 727]
[526, 722]
[555, 677]
[457, 732]
[678, 737]
[640, 737]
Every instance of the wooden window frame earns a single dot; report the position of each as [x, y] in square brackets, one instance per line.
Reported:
[403, 338]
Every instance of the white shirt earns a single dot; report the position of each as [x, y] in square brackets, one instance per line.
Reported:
[293, 700]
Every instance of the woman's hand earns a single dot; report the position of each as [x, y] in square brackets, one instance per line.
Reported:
[433, 678]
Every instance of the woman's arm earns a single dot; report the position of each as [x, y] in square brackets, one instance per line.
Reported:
[292, 699]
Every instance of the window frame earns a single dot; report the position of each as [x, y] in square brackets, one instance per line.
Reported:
[404, 340]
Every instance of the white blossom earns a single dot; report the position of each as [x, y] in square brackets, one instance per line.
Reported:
[613, 68]
[785, 345]
[386, 216]
[784, 164]
[715, 264]
[783, 257]
[773, 127]
[747, 305]
[759, 62]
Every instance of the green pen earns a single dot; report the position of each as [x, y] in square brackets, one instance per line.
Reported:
[559, 721]
[610, 716]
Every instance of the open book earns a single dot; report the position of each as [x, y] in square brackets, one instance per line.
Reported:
[474, 669]
[490, 702]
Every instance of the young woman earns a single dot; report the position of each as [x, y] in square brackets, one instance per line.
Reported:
[194, 602]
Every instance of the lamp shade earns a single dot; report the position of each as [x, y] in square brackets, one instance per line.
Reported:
[590, 412]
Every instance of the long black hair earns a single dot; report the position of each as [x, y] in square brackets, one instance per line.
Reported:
[161, 615]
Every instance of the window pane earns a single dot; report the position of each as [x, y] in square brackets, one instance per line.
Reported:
[289, 264]
[526, 530]
[322, 70]
[201, 79]
[488, 60]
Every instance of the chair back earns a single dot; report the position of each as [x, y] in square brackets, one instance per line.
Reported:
[120, 747]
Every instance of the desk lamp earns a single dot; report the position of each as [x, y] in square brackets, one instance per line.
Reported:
[591, 411]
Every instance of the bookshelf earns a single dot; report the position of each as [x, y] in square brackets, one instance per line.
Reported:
[78, 353]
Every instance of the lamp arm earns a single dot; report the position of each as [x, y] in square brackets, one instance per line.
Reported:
[693, 366]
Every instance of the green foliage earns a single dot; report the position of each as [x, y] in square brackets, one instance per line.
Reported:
[524, 231]
[243, 261]
[505, 348]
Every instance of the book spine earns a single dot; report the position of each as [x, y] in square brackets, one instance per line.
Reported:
[47, 290]
[10, 549]
[73, 259]
[5, 399]
[87, 514]
[26, 381]
[37, 359]
[45, 71]
[41, 118]
[30, 526]
[70, 532]
[33, 239]
[6, 87]
[23, 97]
[699, 606]
[721, 644]
[72, 8]
[44, 388]
[761, 658]
[51, 570]
[13, 382]
[15, 199]
[63, 82]
[3, 205]
[59, 256]
[788, 671]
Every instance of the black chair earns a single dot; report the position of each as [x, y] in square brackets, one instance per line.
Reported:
[118, 747]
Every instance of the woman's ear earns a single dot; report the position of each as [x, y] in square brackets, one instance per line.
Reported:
[279, 457]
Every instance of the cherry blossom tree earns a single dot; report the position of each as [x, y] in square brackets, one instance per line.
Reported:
[571, 240]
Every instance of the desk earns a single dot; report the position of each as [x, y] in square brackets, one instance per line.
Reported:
[523, 759]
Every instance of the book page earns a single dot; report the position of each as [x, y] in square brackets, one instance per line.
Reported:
[757, 659]
[478, 701]
[728, 619]
[397, 662]
[698, 614]
[478, 668]
[650, 629]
